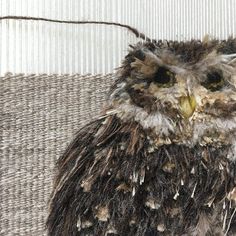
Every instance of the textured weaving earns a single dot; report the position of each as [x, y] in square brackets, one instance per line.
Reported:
[39, 116]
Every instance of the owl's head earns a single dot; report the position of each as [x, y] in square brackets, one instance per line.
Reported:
[182, 93]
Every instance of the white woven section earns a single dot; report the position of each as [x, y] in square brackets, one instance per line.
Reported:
[38, 47]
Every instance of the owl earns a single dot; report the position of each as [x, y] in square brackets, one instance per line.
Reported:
[161, 157]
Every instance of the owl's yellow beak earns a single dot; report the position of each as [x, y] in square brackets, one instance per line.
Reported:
[187, 105]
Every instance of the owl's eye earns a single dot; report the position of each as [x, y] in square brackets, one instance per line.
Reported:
[214, 81]
[140, 55]
[164, 77]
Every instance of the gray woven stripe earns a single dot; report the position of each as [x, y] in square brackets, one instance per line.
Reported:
[39, 116]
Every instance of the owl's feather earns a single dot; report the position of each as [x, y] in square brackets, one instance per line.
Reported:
[161, 158]
[109, 181]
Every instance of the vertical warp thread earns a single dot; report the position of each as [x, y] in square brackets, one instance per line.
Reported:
[40, 47]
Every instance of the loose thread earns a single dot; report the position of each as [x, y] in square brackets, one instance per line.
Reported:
[131, 29]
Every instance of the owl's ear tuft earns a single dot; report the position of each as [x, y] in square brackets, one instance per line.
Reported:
[145, 63]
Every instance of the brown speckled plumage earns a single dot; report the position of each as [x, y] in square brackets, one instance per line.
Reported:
[161, 158]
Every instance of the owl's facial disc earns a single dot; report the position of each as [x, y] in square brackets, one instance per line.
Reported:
[176, 100]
